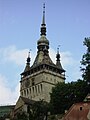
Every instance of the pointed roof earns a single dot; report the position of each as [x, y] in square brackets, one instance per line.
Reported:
[42, 57]
[43, 40]
[22, 101]
[43, 45]
[78, 111]
[27, 68]
[27, 100]
[58, 63]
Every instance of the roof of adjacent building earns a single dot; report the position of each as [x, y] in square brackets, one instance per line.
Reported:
[27, 100]
[4, 110]
[79, 111]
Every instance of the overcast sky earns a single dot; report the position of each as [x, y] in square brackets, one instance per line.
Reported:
[68, 23]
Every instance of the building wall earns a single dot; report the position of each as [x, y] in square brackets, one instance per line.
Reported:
[39, 85]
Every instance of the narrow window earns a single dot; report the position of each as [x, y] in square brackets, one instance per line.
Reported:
[28, 109]
[27, 91]
[33, 89]
[21, 93]
[24, 92]
[41, 87]
[38, 89]
[30, 90]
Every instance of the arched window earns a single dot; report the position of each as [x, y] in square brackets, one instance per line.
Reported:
[30, 90]
[27, 92]
[24, 92]
[38, 89]
[33, 89]
[41, 87]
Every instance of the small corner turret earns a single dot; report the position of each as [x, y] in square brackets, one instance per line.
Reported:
[28, 59]
[58, 63]
[27, 67]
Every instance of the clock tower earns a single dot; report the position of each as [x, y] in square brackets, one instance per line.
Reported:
[37, 80]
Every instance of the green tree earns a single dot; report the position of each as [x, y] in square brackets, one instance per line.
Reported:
[21, 116]
[65, 94]
[86, 61]
[38, 110]
[59, 97]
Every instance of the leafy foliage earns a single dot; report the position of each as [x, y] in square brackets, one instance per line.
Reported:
[38, 110]
[65, 94]
[21, 116]
[5, 116]
[86, 61]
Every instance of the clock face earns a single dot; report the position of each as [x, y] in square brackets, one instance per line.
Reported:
[27, 83]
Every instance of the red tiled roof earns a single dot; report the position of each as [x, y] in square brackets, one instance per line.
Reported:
[78, 111]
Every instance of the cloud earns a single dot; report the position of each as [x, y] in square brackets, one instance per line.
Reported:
[7, 96]
[9, 57]
[12, 54]
[17, 56]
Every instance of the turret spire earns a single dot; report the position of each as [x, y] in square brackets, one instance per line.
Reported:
[27, 68]
[43, 25]
[58, 55]
[58, 63]
[28, 59]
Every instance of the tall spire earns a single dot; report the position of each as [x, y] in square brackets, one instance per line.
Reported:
[43, 20]
[43, 25]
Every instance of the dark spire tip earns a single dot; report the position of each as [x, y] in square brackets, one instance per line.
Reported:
[28, 59]
[43, 25]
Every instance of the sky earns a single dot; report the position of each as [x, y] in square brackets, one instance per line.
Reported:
[67, 22]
